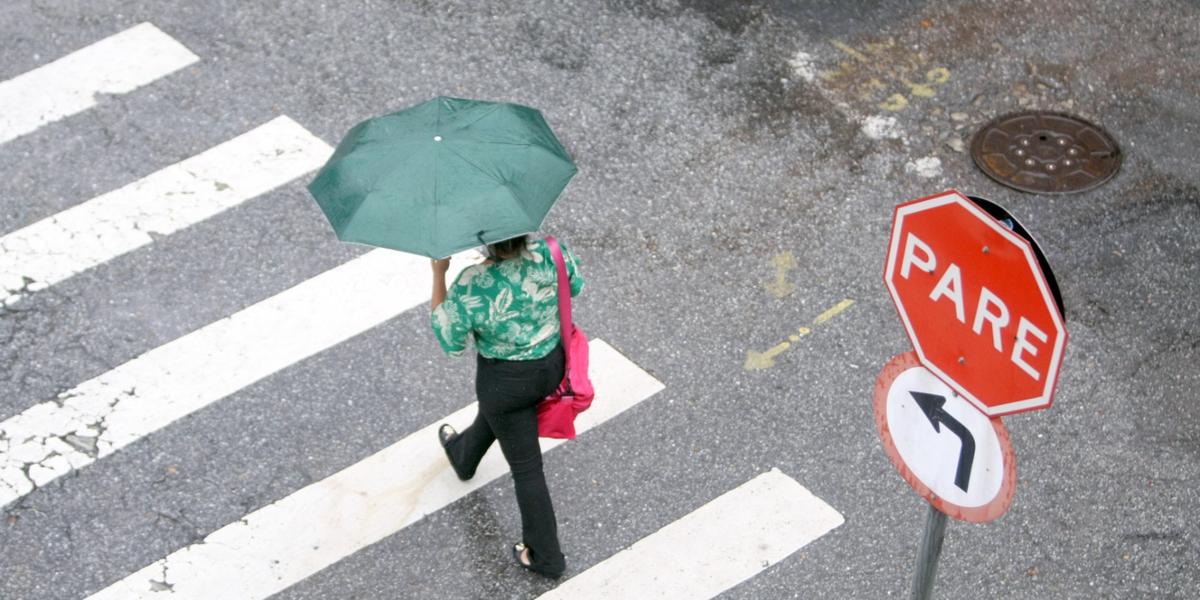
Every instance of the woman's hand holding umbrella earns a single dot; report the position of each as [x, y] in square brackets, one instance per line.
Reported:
[439, 266]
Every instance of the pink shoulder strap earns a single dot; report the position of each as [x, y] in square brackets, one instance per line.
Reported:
[564, 295]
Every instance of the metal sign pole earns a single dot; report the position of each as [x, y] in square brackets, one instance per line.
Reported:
[927, 557]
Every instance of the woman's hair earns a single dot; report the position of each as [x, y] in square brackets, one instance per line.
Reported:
[506, 249]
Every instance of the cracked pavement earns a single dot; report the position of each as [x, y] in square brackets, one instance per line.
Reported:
[56, 437]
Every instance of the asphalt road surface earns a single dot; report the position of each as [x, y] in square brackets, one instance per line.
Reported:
[194, 369]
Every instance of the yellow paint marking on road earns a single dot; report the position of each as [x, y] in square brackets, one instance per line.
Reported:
[780, 286]
[844, 68]
[884, 73]
[895, 103]
[833, 312]
[803, 331]
[871, 87]
[919, 89]
[855, 54]
[757, 361]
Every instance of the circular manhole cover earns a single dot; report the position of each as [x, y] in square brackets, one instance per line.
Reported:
[1045, 152]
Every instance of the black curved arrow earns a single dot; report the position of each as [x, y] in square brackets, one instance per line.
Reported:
[931, 405]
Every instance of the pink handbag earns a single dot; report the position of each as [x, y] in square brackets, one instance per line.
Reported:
[556, 414]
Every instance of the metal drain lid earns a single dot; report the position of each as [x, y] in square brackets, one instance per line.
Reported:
[1045, 152]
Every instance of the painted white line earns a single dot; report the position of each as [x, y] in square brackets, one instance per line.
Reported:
[297, 536]
[117, 408]
[716, 547]
[115, 65]
[171, 199]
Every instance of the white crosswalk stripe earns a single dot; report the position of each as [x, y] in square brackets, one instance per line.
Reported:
[183, 194]
[121, 406]
[115, 65]
[712, 549]
[297, 536]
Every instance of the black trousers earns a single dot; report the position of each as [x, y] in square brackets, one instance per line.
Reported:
[508, 392]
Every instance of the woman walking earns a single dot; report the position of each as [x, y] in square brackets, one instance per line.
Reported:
[509, 305]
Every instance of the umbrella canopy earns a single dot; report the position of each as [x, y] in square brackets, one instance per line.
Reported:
[443, 176]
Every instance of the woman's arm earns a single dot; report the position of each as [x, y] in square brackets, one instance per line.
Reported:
[438, 296]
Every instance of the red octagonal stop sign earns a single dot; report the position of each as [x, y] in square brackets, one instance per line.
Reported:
[975, 304]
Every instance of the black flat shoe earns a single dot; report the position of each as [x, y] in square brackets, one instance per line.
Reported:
[517, 550]
[446, 434]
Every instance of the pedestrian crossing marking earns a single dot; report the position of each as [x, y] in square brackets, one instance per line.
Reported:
[280, 544]
[117, 64]
[717, 546]
[147, 393]
[107, 226]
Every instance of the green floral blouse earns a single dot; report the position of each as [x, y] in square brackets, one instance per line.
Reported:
[510, 307]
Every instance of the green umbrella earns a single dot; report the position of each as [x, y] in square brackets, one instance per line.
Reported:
[443, 176]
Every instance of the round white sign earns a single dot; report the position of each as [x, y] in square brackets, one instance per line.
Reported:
[951, 453]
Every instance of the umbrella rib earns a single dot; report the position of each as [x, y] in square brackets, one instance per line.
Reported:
[517, 201]
[477, 167]
[504, 143]
[493, 109]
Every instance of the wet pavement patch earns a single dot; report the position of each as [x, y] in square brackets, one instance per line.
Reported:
[733, 17]
[1045, 152]
[555, 45]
